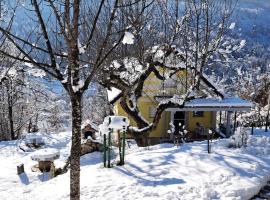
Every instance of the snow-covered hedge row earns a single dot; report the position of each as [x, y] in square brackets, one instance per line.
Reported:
[257, 116]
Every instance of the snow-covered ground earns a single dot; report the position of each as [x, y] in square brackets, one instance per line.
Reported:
[158, 172]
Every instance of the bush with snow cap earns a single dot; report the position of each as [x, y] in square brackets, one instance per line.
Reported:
[240, 138]
[172, 128]
[115, 123]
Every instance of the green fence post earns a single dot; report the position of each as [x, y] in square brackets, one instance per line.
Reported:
[104, 150]
[120, 145]
[109, 148]
[123, 146]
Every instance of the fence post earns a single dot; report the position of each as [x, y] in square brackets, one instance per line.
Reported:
[124, 145]
[252, 127]
[267, 122]
[208, 141]
[104, 150]
[220, 114]
[20, 169]
[119, 146]
[109, 148]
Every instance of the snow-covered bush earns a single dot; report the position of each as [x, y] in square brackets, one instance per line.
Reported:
[179, 135]
[256, 116]
[114, 123]
[171, 130]
[240, 138]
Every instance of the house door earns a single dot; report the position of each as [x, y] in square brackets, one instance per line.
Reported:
[179, 120]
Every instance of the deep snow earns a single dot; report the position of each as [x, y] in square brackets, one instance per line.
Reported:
[157, 172]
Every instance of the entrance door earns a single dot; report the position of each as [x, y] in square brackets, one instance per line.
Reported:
[179, 117]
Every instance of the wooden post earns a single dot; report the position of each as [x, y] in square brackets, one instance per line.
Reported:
[208, 142]
[267, 122]
[252, 128]
[20, 169]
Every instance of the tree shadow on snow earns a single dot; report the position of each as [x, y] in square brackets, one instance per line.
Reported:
[243, 172]
[91, 159]
[155, 179]
[45, 176]
[24, 178]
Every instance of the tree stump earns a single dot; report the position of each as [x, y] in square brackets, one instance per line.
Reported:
[20, 169]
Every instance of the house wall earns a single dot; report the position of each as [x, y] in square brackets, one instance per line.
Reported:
[163, 126]
[154, 87]
[208, 120]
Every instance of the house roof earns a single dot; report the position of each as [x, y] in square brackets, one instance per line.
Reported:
[213, 104]
[219, 102]
[87, 123]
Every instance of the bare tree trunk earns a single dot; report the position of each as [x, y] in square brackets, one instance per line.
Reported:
[11, 123]
[29, 125]
[142, 138]
[10, 109]
[75, 147]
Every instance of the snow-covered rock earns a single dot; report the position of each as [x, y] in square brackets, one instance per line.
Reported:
[48, 154]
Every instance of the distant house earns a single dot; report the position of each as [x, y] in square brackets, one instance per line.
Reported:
[203, 112]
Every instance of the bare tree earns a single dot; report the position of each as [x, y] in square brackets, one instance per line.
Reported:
[187, 39]
[11, 89]
[69, 40]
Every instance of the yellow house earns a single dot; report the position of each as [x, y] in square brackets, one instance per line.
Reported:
[202, 111]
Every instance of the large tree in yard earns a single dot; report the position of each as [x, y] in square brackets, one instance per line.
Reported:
[70, 41]
[187, 36]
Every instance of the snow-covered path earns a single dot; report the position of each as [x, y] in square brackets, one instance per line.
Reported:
[160, 172]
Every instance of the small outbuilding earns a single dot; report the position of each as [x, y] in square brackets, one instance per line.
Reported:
[89, 129]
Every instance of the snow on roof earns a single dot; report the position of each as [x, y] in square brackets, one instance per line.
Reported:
[213, 102]
[209, 104]
[113, 93]
[89, 122]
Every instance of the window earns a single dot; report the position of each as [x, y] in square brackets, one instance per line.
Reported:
[152, 111]
[198, 114]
